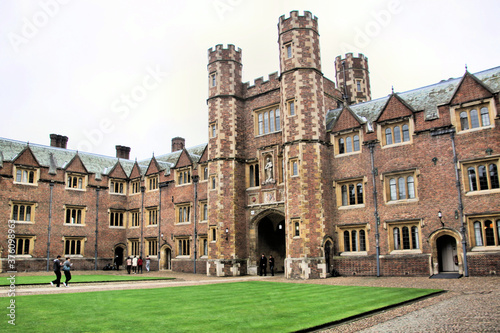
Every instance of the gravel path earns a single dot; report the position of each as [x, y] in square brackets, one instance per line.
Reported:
[470, 304]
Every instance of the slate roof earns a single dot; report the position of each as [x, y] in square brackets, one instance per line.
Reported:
[426, 99]
[94, 163]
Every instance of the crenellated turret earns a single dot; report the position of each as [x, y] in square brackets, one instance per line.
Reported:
[353, 78]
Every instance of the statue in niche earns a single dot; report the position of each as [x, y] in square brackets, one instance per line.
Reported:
[269, 170]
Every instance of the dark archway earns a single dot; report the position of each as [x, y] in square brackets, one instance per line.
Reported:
[271, 239]
[118, 258]
[447, 254]
[167, 258]
[328, 256]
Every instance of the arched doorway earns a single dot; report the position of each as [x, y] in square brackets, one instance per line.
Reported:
[328, 249]
[271, 239]
[118, 257]
[447, 253]
[166, 262]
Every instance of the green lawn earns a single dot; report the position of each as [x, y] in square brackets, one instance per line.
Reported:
[256, 306]
[45, 279]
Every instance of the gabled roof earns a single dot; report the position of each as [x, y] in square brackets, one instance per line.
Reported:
[475, 81]
[394, 100]
[350, 118]
[59, 158]
[425, 99]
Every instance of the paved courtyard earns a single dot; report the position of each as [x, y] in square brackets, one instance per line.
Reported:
[470, 304]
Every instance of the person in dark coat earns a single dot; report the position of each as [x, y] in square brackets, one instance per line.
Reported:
[67, 271]
[57, 271]
[271, 264]
[118, 262]
[263, 265]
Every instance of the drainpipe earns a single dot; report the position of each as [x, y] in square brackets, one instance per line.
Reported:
[158, 253]
[143, 189]
[96, 224]
[460, 204]
[49, 228]
[195, 181]
[371, 145]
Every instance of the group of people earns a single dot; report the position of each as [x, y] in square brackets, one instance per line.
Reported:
[66, 268]
[263, 265]
[134, 264]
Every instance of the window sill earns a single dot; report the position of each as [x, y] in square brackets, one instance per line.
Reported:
[482, 192]
[183, 223]
[151, 225]
[472, 130]
[404, 201]
[203, 221]
[183, 257]
[399, 144]
[114, 193]
[23, 256]
[24, 222]
[353, 253]
[28, 184]
[348, 154]
[485, 248]
[74, 225]
[417, 251]
[351, 207]
[134, 227]
[76, 189]
[116, 227]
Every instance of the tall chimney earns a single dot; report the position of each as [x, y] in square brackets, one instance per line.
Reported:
[178, 144]
[123, 152]
[59, 141]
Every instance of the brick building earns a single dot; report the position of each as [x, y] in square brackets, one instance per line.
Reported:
[309, 170]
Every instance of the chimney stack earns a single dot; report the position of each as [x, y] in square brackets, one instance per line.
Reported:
[58, 141]
[123, 152]
[178, 144]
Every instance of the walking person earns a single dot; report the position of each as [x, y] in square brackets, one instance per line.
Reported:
[57, 271]
[129, 264]
[139, 265]
[263, 265]
[271, 264]
[148, 263]
[134, 265]
[67, 271]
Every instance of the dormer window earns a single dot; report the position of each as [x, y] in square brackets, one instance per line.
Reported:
[396, 133]
[152, 182]
[25, 175]
[117, 186]
[76, 181]
[183, 176]
[347, 143]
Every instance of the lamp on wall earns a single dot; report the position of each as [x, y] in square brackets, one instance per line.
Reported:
[440, 215]
[227, 233]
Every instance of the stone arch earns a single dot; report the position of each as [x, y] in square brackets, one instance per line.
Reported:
[434, 238]
[119, 254]
[267, 235]
[327, 248]
[165, 257]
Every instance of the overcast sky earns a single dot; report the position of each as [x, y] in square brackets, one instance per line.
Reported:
[133, 73]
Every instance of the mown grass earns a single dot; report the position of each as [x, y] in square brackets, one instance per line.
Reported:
[45, 279]
[255, 306]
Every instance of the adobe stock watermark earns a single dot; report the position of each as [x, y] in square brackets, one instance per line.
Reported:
[372, 28]
[121, 108]
[31, 26]
[222, 7]
[11, 278]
